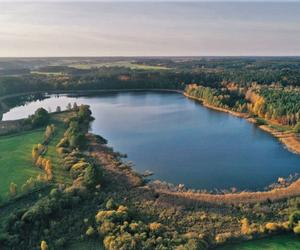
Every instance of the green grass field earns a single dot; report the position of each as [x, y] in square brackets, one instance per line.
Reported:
[281, 242]
[15, 159]
[15, 156]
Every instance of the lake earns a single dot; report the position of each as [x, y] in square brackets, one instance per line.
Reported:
[180, 140]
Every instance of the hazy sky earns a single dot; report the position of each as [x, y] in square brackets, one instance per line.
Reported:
[149, 28]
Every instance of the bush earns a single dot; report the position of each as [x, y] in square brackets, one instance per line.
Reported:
[62, 151]
[77, 169]
[63, 143]
[92, 176]
[13, 189]
[155, 227]
[90, 231]
[110, 204]
[245, 228]
[60, 242]
[39, 118]
[297, 128]
[296, 229]
[272, 227]
[44, 245]
[78, 141]
[28, 185]
[294, 218]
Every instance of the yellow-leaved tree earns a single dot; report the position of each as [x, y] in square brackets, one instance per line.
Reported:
[245, 228]
[44, 245]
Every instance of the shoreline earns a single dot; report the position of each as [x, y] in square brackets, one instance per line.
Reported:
[133, 180]
[293, 190]
[289, 139]
[234, 113]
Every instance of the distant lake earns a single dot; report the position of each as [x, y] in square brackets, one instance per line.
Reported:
[180, 140]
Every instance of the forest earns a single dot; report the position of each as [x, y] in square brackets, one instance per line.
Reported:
[63, 74]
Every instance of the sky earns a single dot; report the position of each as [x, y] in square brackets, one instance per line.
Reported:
[119, 28]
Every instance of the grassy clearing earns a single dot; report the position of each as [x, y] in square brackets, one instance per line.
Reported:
[118, 64]
[15, 159]
[282, 242]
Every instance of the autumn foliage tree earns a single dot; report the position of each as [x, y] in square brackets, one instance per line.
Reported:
[44, 245]
[245, 227]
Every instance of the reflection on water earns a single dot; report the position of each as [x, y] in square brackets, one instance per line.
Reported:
[181, 141]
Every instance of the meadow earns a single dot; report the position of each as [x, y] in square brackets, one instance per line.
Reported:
[15, 159]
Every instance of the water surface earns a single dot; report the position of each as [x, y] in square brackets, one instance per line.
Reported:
[180, 140]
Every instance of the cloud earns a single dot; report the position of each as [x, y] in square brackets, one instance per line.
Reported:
[107, 29]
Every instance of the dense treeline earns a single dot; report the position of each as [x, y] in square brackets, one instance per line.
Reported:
[277, 103]
[221, 97]
[210, 72]
[105, 78]
[130, 80]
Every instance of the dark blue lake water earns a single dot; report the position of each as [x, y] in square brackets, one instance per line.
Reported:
[180, 140]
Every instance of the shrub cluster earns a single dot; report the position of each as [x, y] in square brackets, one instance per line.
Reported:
[40, 118]
[45, 220]
[120, 228]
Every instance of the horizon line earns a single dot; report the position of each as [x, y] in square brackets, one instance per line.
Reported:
[154, 56]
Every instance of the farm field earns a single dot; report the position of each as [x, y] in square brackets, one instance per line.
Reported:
[126, 64]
